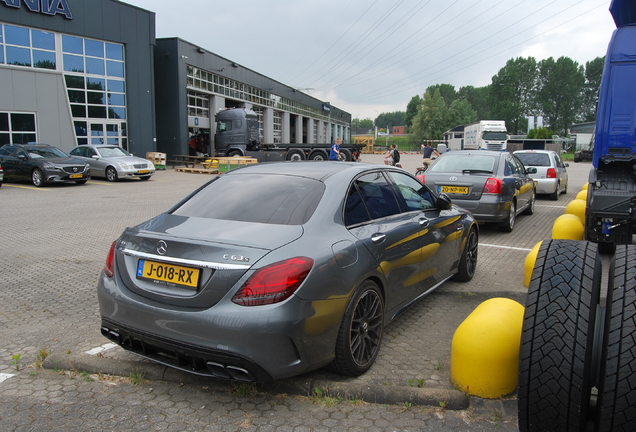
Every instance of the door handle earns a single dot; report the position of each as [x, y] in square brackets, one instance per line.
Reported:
[378, 238]
[424, 222]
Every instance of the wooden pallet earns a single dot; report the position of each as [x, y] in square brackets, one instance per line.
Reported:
[197, 170]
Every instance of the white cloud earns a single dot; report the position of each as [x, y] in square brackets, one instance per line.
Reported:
[365, 56]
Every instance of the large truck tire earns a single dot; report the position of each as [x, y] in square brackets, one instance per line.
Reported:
[557, 358]
[617, 386]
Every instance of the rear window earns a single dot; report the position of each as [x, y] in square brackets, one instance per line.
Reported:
[534, 159]
[261, 198]
[458, 163]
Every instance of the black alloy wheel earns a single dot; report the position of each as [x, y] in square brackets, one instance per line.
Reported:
[468, 261]
[360, 332]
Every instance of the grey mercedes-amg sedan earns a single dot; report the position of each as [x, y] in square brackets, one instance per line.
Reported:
[272, 270]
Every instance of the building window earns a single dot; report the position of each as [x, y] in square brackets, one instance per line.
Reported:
[21, 46]
[198, 104]
[17, 128]
[96, 89]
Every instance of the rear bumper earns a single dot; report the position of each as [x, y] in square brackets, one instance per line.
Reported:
[490, 208]
[546, 186]
[225, 341]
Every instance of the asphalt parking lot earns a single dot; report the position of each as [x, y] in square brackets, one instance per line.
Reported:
[54, 243]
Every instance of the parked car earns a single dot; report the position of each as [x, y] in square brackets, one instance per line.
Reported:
[41, 163]
[551, 177]
[273, 270]
[113, 162]
[494, 186]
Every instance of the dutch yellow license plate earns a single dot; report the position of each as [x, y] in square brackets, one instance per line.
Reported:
[76, 176]
[170, 273]
[143, 171]
[454, 189]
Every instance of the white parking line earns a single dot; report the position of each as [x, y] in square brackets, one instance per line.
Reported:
[505, 247]
[5, 376]
[550, 206]
[101, 349]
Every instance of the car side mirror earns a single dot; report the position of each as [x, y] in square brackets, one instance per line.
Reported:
[531, 170]
[95, 157]
[444, 202]
[567, 165]
[22, 157]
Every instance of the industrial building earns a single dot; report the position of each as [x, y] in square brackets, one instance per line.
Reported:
[92, 72]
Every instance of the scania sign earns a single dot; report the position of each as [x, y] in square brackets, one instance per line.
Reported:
[47, 7]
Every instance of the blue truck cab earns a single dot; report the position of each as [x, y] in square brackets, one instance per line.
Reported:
[611, 199]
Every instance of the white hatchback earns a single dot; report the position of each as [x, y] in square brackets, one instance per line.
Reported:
[551, 177]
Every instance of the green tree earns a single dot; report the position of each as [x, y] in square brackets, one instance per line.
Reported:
[540, 133]
[411, 110]
[432, 117]
[593, 74]
[460, 112]
[513, 92]
[560, 89]
[366, 123]
[446, 91]
[479, 99]
[390, 119]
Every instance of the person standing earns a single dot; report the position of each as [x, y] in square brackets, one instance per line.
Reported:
[429, 151]
[334, 153]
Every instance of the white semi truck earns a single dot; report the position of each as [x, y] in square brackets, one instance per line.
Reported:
[486, 135]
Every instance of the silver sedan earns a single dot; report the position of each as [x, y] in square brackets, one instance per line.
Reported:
[113, 162]
[273, 270]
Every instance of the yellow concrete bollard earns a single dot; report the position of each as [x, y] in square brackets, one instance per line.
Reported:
[577, 207]
[528, 265]
[585, 186]
[485, 349]
[568, 227]
[582, 195]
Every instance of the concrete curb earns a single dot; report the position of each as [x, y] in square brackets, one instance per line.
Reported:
[391, 395]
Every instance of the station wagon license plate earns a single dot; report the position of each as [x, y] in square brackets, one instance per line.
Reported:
[454, 189]
[143, 171]
[170, 273]
[74, 176]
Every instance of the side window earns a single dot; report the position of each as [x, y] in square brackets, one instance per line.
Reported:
[520, 168]
[20, 153]
[414, 196]
[513, 167]
[355, 211]
[77, 151]
[374, 192]
[225, 125]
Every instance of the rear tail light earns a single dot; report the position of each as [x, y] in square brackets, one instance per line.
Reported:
[110, 261]
[493, 186]
[551, 173]
[274, 283]
[420, 178]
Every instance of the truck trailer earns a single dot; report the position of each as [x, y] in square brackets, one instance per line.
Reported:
[486, 135]
[238, 134]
